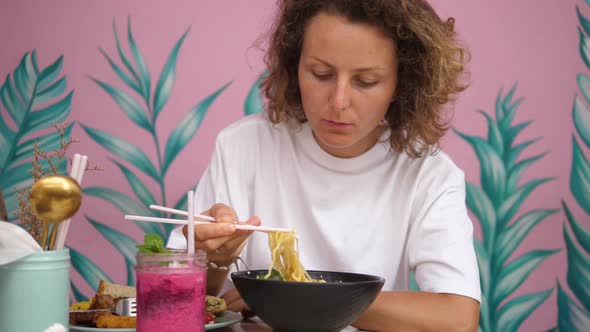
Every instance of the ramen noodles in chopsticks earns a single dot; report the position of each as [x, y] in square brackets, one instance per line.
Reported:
[285, 258]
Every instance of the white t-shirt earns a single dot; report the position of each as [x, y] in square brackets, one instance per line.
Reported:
[380, 213]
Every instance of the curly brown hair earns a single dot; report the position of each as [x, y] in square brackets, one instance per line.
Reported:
[431, 63]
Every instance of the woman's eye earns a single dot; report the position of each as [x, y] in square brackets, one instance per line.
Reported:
[322, 76]
[366, 84]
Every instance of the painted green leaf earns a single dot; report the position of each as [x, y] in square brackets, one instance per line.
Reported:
[516, 272]
[49, 142]
[580, 177]
[131, 107]
[582, 235]
[55, 113]
[512, 132]
[253, 103]
[571, 316]
[484, 317]
[123, 150]
[513, 154]
[494, 136]
[512, 236]
[122, 242]
[140, 190]
[493, 174]
[581, 116]
[52, 92]
[128, 80]
[87, 269]
[483, 261]
[187, 127]
[513, 313]
[584, 85]
[584, 49]
[483, 209]
[78, 295]
[513, 202]
[516, 172]
[125, 59]
[583, 21]
[126, 205]
[578, 270]
[18, 95]
[143, 72]
[166, 80]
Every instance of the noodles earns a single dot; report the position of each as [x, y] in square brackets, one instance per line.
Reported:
[285, 257]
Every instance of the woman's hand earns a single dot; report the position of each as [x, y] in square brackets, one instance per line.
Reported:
[220, 239]
[235, 303]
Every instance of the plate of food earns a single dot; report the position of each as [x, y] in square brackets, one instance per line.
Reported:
[94, 315]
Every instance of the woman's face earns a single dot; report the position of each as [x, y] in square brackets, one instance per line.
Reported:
[347, 78]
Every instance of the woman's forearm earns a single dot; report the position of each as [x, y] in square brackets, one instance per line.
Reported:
[215, 281]
[420, 311]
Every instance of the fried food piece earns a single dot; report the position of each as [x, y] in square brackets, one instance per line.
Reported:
[114, 290]
[215, 304]
[83, 305]
[85, 318]
[102, 301]
[113, 321]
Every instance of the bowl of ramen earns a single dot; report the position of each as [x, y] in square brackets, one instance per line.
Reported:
[289, 298]
[331, 303]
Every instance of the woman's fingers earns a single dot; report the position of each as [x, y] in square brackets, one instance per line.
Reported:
[222, 213]
[235, 303]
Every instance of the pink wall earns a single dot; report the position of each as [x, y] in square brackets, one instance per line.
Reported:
[524, 41]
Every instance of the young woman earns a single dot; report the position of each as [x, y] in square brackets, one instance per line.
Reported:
[348, 155]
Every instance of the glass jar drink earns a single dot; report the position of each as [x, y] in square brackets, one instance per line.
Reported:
[171, 291]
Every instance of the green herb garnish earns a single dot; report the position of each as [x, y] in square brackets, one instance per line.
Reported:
[152, 244]
[274, 275]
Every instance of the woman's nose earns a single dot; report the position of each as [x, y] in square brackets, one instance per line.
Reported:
[341, 97]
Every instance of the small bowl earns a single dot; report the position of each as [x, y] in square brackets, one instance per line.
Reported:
[310, 306]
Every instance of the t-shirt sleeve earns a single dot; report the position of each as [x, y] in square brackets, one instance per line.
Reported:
[211, 189]
[440, 248]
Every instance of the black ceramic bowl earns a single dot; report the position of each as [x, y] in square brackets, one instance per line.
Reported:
[301, 306]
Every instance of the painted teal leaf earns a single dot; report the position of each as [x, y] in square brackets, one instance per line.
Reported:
[49, 74]
[483, 261]
[584, 49]
[126, 205]
[123, 150]
[187, 127]
[517, 171]
[11, 101]
[513, 154]
[494, 135]
[580, 177]
[578, 270]
[17, 176]
[581, 116]
[166, 80]
[181, 204]
[143, 72]
[49, 142]
[493, 174]
[87, 269]
[35, 63]
[122, 242]
[78, 295]
[130, 81]
[584, 85]
[25, 79]
[512, 236]
[124, 58]
[511, 133]
[582, 235]
[483, 209]
[516, 272]
[498, 105]
[571, 316]
[510, 206]
[253, 102]
[484, 316]
[513, 313]
[52, 92]
[140, 190]
[131, 107]
[6, 137]
[584, 22]
[55, 113]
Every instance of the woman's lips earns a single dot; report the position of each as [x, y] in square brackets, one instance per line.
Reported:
[335, 124]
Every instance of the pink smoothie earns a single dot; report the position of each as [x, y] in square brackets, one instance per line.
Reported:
[171, 301]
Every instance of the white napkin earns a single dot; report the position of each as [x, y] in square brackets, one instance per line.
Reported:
[56, 328]
[15, 243]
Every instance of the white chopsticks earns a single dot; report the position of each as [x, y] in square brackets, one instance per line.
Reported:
[197, 222]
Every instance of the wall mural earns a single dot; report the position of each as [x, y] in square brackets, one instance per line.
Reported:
[32, 98]
[574, 310]
[496, 205]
